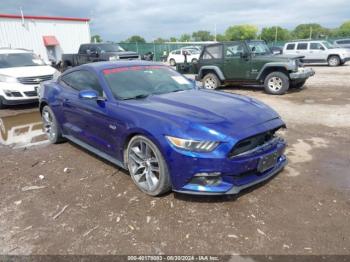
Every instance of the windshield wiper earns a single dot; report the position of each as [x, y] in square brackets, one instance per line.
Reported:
[137, 97]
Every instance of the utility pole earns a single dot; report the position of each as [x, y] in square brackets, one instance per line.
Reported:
[310, 37]
[215, 33]
[20, 9]
[276, 33]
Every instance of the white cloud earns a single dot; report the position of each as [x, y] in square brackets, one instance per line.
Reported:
[118, 19]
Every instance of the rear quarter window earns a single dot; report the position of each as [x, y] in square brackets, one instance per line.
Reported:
[290, 47]
[302, 46]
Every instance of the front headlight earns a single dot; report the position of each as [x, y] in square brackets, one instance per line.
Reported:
[113, 58]
[193, 145]
[8, 79]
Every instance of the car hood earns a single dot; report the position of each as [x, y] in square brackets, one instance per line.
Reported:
[27, 71]
[205, 110]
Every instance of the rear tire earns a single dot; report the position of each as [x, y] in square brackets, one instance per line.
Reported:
[172, 62]
[211, 81]
[276, 83]
[333, 60]
[51, 126]
[147, 166]
[297, 84]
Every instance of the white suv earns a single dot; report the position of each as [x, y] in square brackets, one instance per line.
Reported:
[178, 56]
[318, 52]
[21, 73]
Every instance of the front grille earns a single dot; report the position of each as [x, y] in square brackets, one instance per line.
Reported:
[34, 80]
[252, 142]
[16, 94]
[129, 57]
[31, 93]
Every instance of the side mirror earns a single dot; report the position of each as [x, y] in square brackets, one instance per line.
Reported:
[88, 95]
[322, 48]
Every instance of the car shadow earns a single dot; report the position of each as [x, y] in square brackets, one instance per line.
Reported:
[117, 168]
[22, 107]
[254, 88]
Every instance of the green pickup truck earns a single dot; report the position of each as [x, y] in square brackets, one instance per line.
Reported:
[249, 63]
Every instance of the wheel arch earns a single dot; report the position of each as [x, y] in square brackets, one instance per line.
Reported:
[269, 69]
[204, 70]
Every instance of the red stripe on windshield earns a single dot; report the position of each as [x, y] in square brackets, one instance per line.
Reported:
[130, 68]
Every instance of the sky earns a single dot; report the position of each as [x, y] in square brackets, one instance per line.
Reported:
[116, 20]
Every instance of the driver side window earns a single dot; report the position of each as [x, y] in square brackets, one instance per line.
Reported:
[82, 80]
[234, 50]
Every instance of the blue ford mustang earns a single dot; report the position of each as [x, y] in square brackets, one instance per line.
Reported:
[168, 133]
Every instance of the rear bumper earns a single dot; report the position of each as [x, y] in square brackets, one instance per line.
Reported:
[303, 73]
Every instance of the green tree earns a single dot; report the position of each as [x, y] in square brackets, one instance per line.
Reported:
[343, 30]
[241, 32]
[96, 39]
[185, 38]
[221, 38]
[160, 40]
[173, 39]
[202, 36]
[269, 34]
[136, 39]
[313, 31]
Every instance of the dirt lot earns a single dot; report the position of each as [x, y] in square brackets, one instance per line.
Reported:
[83, 205]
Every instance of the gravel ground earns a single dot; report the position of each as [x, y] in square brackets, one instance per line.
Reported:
[60, 199]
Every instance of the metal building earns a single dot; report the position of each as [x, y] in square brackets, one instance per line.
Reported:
[47, 36]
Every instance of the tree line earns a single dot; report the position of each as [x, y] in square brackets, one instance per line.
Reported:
[241, 32]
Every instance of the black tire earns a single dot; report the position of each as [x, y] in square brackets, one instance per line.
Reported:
[299, 84]
[276, 83]
[164, 185]
[172, 62]
[333, 60]
[211, 81]
[53, 131]
[2, 105]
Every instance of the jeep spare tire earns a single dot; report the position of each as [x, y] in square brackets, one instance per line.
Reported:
[276, 83]
[211, 81]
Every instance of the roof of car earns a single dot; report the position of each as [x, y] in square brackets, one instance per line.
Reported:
[13, 51]
[99, 66]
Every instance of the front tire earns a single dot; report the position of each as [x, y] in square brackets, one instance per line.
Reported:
[211, 81]
[333, 60]
[2, 105]
[147, 166]
[276, 83]
[51, 126]
[172, 62]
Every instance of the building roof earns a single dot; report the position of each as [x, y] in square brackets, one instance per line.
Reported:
[57, 18]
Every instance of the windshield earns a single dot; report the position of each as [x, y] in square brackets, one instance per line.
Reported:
[259, 48]
[19, 60]
[328, 45]
[142, 81]
[110, 48]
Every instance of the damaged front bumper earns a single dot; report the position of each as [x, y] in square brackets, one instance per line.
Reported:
[302, 73]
